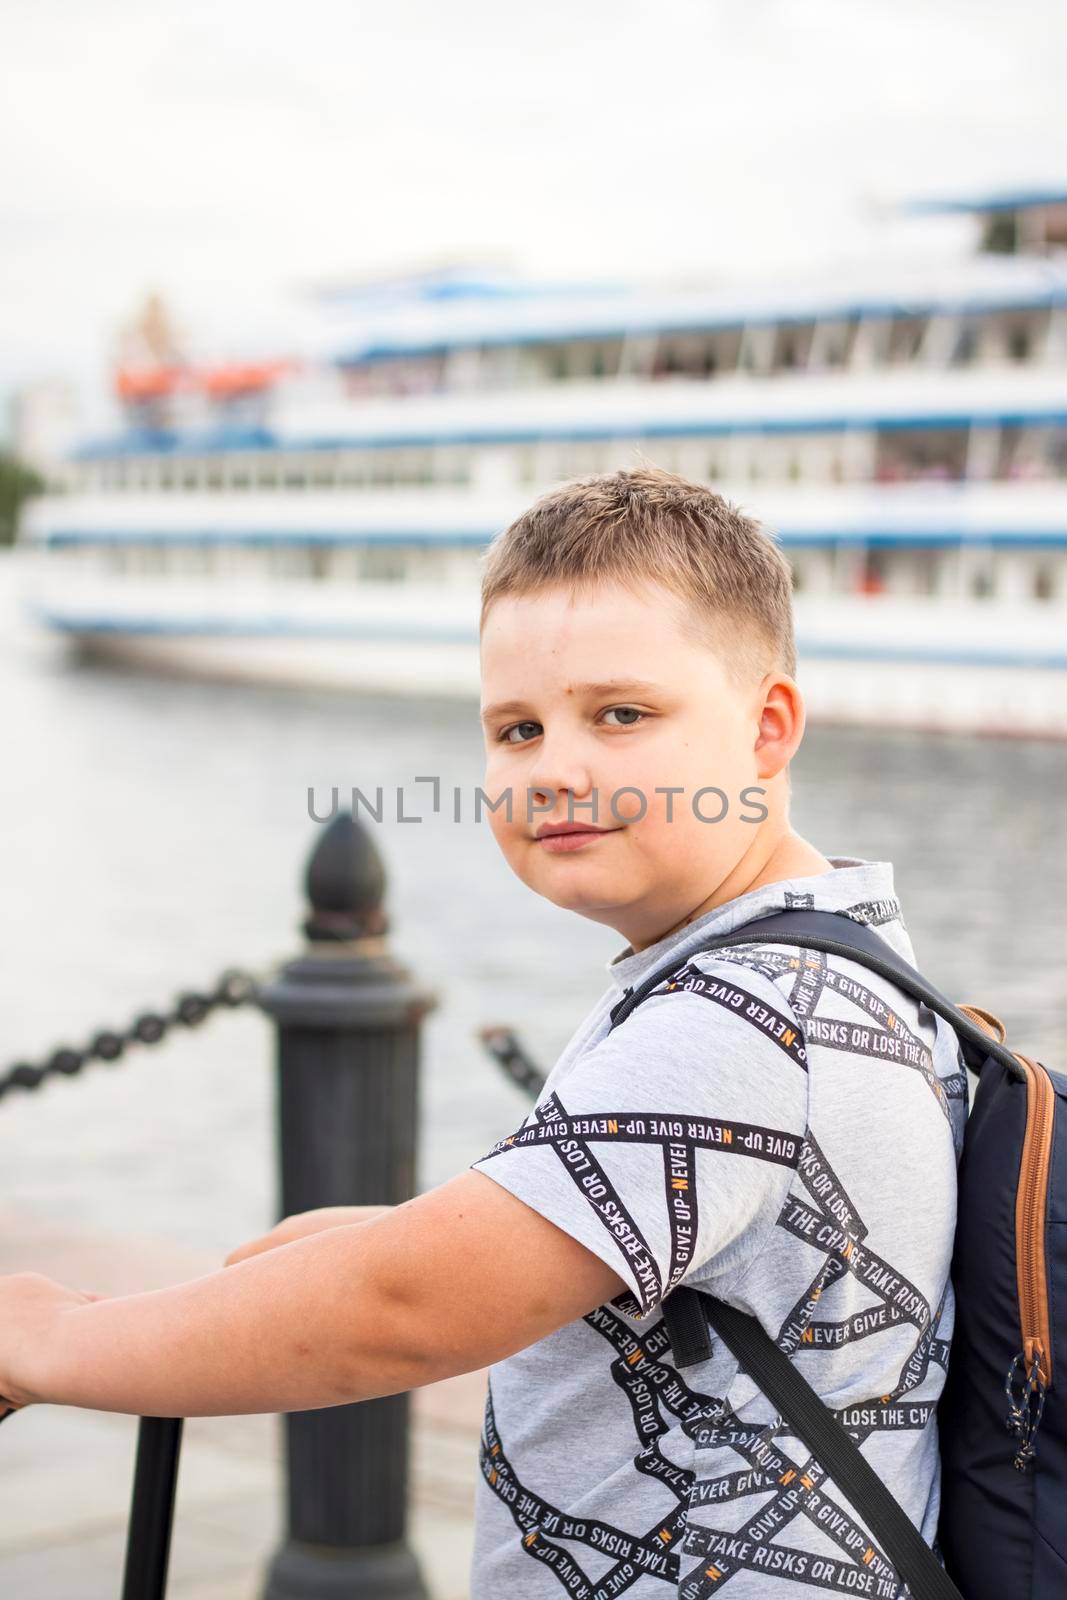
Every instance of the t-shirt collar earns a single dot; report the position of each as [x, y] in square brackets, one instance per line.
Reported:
[851, 881]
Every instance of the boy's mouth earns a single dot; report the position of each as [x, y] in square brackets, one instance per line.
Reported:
[557, 837]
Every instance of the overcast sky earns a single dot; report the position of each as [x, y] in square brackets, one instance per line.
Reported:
[231, 152]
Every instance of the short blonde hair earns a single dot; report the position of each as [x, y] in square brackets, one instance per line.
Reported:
[647, 524]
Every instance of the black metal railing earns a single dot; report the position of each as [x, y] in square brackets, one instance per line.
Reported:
[347, 1021]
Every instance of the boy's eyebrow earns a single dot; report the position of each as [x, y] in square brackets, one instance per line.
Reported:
[612, 686]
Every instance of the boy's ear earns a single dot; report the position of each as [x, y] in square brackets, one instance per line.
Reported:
[782, 719]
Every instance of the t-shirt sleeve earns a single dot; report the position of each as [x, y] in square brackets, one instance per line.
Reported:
[669, 1147]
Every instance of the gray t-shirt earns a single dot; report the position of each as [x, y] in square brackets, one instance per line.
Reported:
[782, 1128]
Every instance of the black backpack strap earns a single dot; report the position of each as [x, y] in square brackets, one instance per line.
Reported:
[839, 934]
[687, 1312]
[686, 1321]
[815, 1424]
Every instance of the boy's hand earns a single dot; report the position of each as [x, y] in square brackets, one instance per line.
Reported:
[31, 1312]
[301, 1224]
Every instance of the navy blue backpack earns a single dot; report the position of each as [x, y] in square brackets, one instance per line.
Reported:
[1002, 1423]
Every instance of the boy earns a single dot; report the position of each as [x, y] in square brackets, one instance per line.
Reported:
[606, 1471]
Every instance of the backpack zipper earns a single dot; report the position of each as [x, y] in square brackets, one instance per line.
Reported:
[1030, 1374]
[1030, 1209]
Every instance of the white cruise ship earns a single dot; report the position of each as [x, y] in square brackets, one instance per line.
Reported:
[320, 518]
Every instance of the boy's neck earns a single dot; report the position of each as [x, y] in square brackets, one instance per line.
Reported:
[790, 856]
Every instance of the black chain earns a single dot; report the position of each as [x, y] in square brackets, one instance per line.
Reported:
[503, 1045]
[235, 987]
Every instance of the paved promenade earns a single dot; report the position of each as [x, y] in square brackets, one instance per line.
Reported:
[65, 1475]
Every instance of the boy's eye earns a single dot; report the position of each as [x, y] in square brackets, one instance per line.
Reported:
[504, 737]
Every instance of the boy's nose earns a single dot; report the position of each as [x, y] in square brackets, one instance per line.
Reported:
[561, 792]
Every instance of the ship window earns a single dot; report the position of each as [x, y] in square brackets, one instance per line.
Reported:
[319, 560]
[453, 466]
[345, 562]
[966, 346]
[874, 571]
[1019, 344]
[154, 558]
[278, 561]
[981, 584]
[906, 338]
[926, 567]
[1044, 583]
[202, 558]
[1001, 233]
[383, 563]
[798, 576]
[712, 472]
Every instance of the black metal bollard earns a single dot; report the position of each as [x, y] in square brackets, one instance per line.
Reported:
[348, 1019]
[155, 1485]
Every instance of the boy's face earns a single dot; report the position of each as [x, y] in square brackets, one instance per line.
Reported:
[671, 717]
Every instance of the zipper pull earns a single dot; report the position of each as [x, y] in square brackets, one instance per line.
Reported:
[1026, 1406]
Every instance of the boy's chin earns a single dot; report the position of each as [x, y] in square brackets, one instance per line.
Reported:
[596, 898]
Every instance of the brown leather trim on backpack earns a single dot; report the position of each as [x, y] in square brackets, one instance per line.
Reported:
[1031, 1204]
[987, 1022]
[1031, 1208]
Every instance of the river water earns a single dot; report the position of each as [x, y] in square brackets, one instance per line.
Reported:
[154, 831]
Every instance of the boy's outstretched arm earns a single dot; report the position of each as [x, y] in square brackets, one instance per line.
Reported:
[449, 1282]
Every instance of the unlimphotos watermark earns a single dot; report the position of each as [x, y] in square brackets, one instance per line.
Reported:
[707, 804]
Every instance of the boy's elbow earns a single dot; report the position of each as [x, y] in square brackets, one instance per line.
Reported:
[398, 1341]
